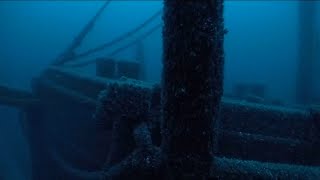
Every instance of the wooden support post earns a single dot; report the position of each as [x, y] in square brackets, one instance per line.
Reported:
[306, 63]
[192, 84]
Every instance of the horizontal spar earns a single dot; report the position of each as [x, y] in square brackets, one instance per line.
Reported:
[17, 98]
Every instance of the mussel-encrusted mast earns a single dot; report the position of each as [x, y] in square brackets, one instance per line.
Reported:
[192, 84]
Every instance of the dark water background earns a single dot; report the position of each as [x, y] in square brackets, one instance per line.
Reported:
[261, 47]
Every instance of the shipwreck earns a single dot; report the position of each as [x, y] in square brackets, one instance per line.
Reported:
[116, 126]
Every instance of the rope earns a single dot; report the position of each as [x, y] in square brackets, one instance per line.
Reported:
[77, 40]
[145, 35]
[116, 40]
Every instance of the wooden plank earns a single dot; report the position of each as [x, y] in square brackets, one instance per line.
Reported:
[87, 85]
[239, 169]
[267, 148]
[255, 118]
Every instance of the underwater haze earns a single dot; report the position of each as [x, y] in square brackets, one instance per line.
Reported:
[262, 48]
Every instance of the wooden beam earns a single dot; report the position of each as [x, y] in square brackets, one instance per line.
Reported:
[262, 148]
[16, 97]
[239, 169]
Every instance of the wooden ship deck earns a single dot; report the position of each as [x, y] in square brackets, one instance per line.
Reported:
[255, 139]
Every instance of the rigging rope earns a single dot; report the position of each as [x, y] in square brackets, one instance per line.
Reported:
[116, 40]
[145, 35]
[68, 53]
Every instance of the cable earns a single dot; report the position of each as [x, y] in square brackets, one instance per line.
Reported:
[116, 40]
[68, 53]
[145, 35]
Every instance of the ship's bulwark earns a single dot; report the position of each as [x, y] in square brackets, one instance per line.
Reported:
[90, 152]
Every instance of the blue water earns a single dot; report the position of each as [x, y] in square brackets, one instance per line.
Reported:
[261, 47]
